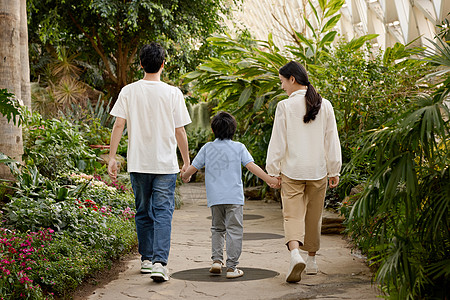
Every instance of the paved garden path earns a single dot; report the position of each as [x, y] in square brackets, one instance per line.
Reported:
[264, 260]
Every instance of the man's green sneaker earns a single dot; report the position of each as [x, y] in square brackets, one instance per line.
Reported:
[146, 266]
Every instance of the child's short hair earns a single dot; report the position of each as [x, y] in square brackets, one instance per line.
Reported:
[152, 57]
[223, 125]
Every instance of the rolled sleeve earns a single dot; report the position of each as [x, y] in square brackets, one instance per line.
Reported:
[277, 144]
[332, 145]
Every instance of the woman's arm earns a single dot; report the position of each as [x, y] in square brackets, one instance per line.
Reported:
[277, 145]
[332, 145]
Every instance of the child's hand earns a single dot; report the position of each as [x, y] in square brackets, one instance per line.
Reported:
[183, 176]
[186, 179]
[274, 182]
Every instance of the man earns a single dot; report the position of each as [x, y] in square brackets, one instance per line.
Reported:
[156, 114]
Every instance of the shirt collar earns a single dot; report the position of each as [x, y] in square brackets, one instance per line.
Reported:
[298, 92]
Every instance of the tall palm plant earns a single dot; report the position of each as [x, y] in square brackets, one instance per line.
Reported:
[406, 201]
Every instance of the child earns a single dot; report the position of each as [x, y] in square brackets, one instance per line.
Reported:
[222, 159]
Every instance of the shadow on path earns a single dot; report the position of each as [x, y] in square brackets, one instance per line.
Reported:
[202, 274]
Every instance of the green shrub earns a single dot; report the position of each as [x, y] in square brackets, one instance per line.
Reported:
[39, 265]
[56, 146]
[89, 224]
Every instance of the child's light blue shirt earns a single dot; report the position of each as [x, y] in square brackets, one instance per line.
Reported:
[222, 160]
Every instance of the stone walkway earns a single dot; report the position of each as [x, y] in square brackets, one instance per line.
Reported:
[264, 259]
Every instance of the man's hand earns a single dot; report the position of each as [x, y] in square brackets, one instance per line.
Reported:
[333, 181]
[112, 169]
[184, 168]
[182, 174]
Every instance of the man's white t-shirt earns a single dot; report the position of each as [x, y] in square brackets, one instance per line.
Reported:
[152, 109]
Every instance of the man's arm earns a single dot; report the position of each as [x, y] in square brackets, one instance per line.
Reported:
[116, 135]
[182, 142]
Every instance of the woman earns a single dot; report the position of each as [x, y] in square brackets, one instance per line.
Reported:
[304, 150]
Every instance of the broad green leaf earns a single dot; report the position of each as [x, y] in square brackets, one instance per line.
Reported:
[327, 39]
[245, 95]
[330, 24]
[276, 59]
[314, 11]
[258, 103]
[310, 27]
[322, 4]
[304, 39]
[250, 72]
[206, 68]
[193, 74]
[270, 39]
[334, 6]
[357, 43]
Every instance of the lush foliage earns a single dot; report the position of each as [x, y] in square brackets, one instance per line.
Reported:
[88, 223]
[401, 217]
[56, 146]
[244, 78]
[59, 225]
[367, 90]
[110, 33]
[9, 107]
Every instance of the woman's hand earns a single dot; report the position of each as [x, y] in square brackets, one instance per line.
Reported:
[333, 181]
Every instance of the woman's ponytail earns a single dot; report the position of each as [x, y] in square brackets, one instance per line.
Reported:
[313, 99]
[313, 103]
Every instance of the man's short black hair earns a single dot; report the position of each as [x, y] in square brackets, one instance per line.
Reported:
[152, 57]
[223, 125]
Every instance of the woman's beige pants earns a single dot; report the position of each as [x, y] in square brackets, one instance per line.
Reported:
[302, 211]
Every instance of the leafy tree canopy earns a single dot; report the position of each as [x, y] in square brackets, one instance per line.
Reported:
[111, 32]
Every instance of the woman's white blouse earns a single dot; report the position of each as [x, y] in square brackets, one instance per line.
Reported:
[303, 151]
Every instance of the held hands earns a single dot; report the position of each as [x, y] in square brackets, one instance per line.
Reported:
[183, 174]
[275, 182]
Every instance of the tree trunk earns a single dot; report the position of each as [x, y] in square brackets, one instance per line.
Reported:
[24, 60]
[10, 135]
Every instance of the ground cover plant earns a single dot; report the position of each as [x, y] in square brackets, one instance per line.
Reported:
[60, 225]
[56, 235]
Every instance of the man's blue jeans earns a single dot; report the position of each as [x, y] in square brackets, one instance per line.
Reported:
[155, 202]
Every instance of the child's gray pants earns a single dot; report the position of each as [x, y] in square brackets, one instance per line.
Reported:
[227, 219]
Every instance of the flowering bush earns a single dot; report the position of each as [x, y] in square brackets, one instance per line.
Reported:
[128, 214]
[37, 265]
[88, 226]
[116, 184]
[19, 260]
[92, 182]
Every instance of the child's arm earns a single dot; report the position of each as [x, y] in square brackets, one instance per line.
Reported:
[255, 169]
[186, 176]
